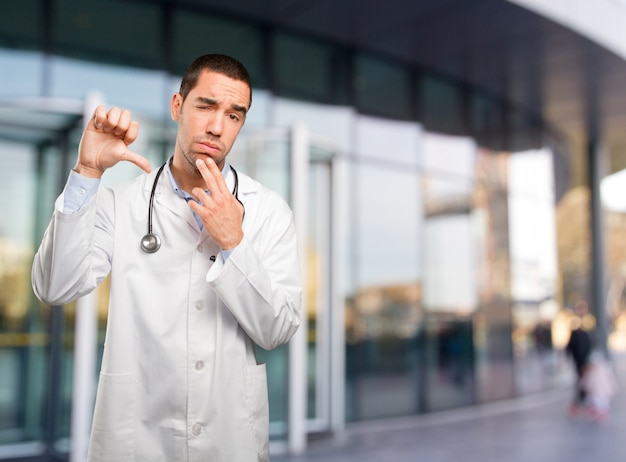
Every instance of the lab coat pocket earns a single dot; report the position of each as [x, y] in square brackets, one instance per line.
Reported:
[256, 397]
[112, 436]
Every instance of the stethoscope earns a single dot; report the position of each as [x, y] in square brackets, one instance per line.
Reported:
[151, 242]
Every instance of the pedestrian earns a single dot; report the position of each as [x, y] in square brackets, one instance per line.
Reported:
[599, 385]
[579, 348]
[216, 274]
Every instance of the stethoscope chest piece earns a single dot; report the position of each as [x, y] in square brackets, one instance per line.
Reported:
[150, 243]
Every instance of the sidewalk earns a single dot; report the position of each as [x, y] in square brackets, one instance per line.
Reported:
[529, 429]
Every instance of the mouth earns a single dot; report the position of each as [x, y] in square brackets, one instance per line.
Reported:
[208, 147]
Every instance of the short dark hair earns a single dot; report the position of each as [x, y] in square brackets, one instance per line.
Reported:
[219, 63]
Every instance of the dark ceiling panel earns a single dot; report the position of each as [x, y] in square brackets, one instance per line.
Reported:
[493, 45]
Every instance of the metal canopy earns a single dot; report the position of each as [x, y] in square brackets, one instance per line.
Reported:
[572, 83]
[37, 120]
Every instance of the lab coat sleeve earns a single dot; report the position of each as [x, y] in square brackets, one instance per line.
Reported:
[260, 283]
[72, 258]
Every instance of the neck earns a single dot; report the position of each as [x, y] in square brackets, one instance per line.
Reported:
[187, 176]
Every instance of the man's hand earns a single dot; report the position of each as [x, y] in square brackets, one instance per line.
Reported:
[221, 212]
[105, 142]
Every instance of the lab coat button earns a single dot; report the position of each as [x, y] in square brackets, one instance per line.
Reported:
[196, 429]
[200, 248]
[199, 305]
[199, 365]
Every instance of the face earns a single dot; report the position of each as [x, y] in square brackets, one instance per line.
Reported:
[209, 121]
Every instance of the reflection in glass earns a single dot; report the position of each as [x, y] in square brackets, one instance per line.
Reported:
[388, 141]
[534, 281]
[450, 295]
[13, 84]
[492, 320]
[23, 334]
[132, 89]
[384, 312]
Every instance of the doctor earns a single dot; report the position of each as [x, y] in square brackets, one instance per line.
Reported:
[179, 378]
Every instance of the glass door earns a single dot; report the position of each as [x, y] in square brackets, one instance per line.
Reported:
[35, 341]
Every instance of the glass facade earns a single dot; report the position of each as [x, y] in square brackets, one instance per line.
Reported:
[448, 286]
[384, 313]
[23, 357]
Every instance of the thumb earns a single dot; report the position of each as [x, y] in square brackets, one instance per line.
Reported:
[137, 159]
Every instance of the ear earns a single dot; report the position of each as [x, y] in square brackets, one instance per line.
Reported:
[176, 105]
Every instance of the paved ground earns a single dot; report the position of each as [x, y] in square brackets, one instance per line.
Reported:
[530, 429]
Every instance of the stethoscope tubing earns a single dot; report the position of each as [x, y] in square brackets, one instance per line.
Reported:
[151, 242]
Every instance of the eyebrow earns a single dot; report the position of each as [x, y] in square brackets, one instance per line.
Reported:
[210, 101]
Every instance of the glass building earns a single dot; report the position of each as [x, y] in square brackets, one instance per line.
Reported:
[434, 154]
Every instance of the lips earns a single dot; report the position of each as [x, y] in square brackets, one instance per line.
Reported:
[209, 147]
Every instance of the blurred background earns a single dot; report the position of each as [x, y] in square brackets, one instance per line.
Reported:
[454, 169]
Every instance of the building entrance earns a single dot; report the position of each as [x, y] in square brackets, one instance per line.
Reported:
[35, 340]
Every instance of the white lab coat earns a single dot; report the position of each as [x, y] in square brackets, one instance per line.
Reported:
[179, 378]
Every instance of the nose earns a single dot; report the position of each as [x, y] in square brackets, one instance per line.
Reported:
[215, 124]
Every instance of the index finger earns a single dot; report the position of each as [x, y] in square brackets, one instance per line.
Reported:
[212, 175]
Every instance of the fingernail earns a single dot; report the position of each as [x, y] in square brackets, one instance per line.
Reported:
[198, 162]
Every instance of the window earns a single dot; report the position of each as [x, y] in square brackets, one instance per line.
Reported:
[382, 88]
[196, 34]
[302, 68]
[441, 108]
[108, 30]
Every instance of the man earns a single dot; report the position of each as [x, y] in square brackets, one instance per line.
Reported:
[179, 378]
